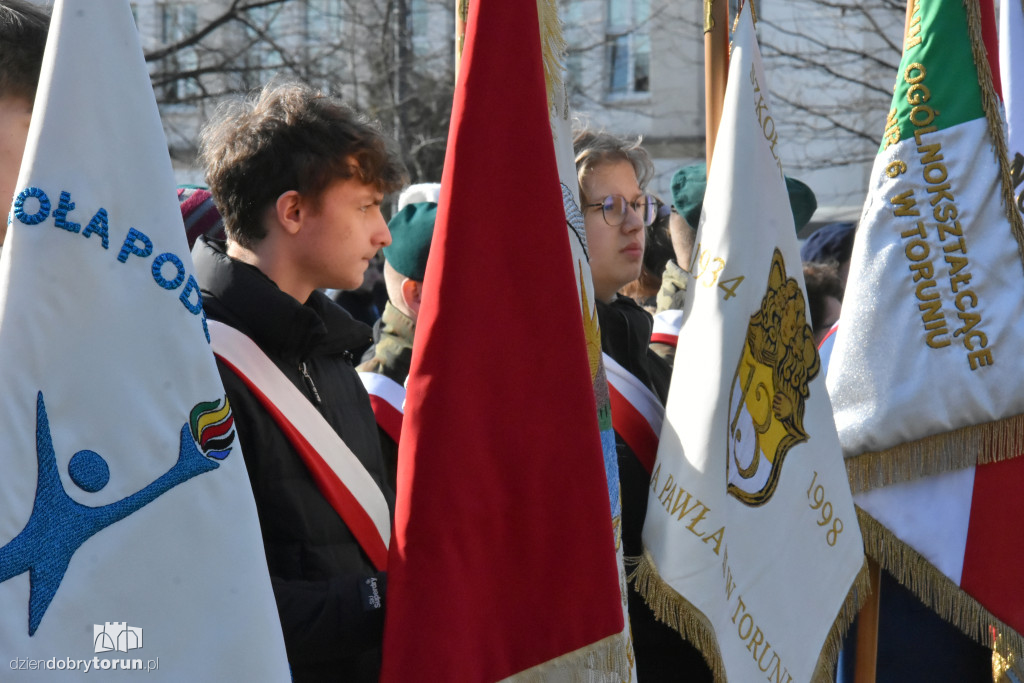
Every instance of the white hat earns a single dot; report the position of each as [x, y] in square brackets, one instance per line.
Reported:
[420, 192]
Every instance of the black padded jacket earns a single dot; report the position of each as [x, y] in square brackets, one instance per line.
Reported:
[661, 653]
[327, 589]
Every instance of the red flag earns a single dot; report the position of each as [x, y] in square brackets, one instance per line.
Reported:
[503, 556]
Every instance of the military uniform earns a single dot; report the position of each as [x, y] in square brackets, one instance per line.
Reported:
[390, 356]
[670, 299]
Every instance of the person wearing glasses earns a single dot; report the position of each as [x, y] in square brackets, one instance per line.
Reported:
[613, 174]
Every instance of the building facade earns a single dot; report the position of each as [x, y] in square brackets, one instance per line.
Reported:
[634, 67]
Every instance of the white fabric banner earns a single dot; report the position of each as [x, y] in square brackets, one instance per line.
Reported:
[924, 376]
[954, 312]
[750, 518]
[128, 533]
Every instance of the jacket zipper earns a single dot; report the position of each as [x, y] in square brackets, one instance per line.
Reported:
[309, 384]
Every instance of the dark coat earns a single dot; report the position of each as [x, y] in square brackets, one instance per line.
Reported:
[661, 653]
[322, 579]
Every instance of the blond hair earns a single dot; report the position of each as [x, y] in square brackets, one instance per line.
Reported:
[594, 148]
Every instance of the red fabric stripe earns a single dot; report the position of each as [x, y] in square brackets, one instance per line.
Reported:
[994, 553]
[215, 430]
[664, 338]
[503, 556]
[634, 429]
[332, 488]
[990, 39]
[388, 417]
[832, 330]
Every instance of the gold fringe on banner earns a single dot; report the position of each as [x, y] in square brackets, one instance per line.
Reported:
[595, 662]
[824, 671]
[461, 19]
[553, 47]
[943, 596]
[736, 21]
[676, 611]
[679, 613]
[958, 449]
[990, 103]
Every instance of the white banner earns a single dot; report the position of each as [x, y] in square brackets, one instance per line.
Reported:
[128, 534]
[750, 522]
[930, 348]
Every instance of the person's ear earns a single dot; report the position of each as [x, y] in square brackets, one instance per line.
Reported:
[412, 294]
[289, 209]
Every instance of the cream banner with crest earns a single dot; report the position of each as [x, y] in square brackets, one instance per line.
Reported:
[752, 539]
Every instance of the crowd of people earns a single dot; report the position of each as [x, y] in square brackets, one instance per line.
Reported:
[290, 225]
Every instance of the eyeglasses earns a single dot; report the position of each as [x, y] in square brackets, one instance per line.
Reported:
[613, 208]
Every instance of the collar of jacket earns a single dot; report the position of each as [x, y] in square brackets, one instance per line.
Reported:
[626, 334]
[393, 336]
[397, 326]
[242, 296]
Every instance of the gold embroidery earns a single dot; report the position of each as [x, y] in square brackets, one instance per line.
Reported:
[771, 384]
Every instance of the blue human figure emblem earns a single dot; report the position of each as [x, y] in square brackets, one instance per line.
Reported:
[59, 525]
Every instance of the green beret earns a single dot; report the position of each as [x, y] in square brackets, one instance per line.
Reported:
[411, 231]
[688, 186]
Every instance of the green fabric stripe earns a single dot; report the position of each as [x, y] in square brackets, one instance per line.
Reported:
[950, 83]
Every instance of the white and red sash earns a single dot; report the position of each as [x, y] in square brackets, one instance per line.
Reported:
[387, 398]
[340, 476]
[666, 327]
[637, 413]
[826, 345]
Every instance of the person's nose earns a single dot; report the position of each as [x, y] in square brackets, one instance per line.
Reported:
[382, 234]
[632, 221]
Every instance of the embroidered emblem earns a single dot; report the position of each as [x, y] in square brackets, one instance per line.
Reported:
[574, 218]
[59, 525]
[769, 389]
[591, 332]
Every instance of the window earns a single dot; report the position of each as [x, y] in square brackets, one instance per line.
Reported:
[177, 22]
[628, 41]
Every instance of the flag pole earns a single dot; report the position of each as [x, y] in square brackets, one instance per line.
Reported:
[716, 69]
[866, 664]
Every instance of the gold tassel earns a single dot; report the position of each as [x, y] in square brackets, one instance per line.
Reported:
[736, 20]
[824, 670]
[673, 609]
[990, 103]
[553, 47]
[593, 662]
[941, 595]
[955, 450]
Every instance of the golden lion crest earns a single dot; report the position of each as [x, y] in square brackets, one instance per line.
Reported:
[769, 389]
